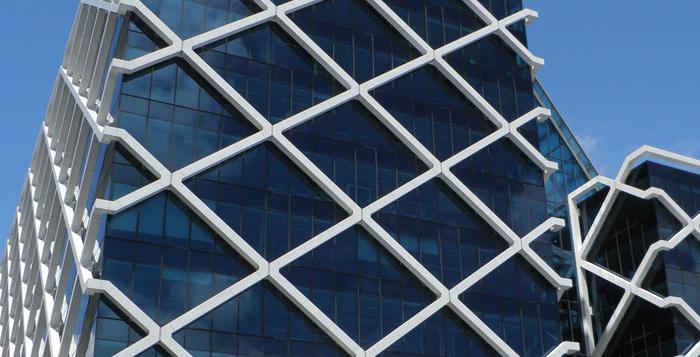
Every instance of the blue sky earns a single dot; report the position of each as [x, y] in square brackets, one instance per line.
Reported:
[33, 35]
[623, 74]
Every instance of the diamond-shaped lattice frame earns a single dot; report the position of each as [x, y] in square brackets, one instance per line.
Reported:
[53, 209]
[632, 288]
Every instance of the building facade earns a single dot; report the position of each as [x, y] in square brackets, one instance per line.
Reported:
[637, 257]
[296, 178]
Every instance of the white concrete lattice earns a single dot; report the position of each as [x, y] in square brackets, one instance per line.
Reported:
[53, 213]
[632, 288]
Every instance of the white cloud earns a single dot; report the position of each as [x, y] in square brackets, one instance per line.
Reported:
[589, 142]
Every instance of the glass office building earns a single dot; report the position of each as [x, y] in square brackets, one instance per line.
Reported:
[296, 178]
[643, 241]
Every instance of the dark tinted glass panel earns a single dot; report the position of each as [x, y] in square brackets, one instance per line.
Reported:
[434, 111]
[441, 231]
[438, 22]
[498, 73]
[605, 297]
[556, 247]
[442, 335]
[138, 39]
[683, 186]
[114, 331]
[518, 30]
[648, 330]
[166, 259]
[632, 225]
[176, 115]
[267, 199]
[359, 285]
[188, 18]
[518, 305]
[589, 208]
[570, 174]
[677, 273]
[125, 173]
[502, 8]
[355, 36]
[508, 182]
[258, 322]
[357, 152]
[154, 352]
[566, 134]
[274, 73]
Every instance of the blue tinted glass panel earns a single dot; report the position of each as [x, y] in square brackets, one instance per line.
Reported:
[126, 173]
[567, 135]
[605, 297]
[171, 111]
[508, 182]
[570, 174]
[518, 305]
[258, 322]
[188, 18]
[267, 199]
[651, 331]
[501, 76]
[271, 70]
[434, 111]
[138, 39]
[355, 36]
[359, 285]
[357, 152]
[677, 273]
[438, 22]
[683, 186]
[518, 30]
[442, 335]
[502, 8]
[114, 331]
[441, 231]
[154, 352]
[166, 259]
[632, 225]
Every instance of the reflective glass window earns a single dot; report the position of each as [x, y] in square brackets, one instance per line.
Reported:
[271, 71]
[518, 305]
[176, 115]
[677, 273]
[357, 152]
[267, 199]
[356, 36]
[508, 182]
[114, 331]
[442, 335]
[651, 331]
[137, 39]
[166, 259]
[502, 8]
[434, 111]
[188, 18]
[125, 173]
[359, 285]
[502, 77]
[632, 225]
[438, 22]
[258, 322]
[605, 297]
[683, 186]
[441, 231]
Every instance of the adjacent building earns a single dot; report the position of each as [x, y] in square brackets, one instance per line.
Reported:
[296, 178]
[638, 257]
